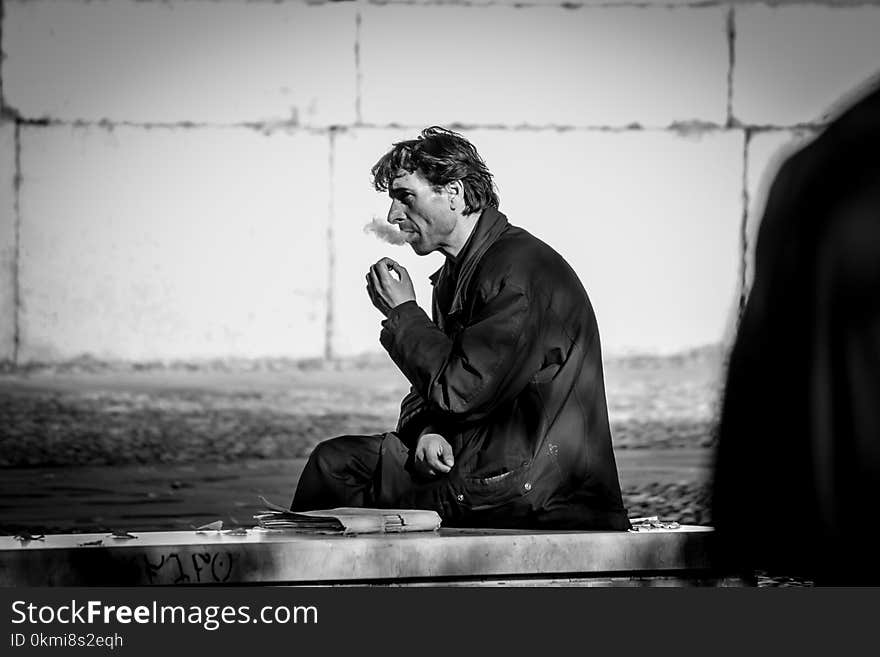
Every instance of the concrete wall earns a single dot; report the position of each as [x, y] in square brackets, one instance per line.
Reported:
[172, 243]
[194, 175]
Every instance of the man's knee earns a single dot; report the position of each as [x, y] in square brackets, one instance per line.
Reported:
[344, 452]
[327, 454]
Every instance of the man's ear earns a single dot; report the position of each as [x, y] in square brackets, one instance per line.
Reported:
[455, 191]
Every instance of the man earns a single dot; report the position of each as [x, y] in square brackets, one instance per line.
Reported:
[506, 424]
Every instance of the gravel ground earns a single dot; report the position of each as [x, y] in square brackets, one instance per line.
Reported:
[68, 416]
[68, 429]
[683, 502]
[52, 428]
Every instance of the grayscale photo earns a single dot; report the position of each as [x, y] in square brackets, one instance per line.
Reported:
[377, 294]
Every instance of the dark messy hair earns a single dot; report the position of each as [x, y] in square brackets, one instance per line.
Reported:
[441, 156]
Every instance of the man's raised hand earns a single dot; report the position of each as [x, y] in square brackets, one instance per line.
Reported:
[387, 291]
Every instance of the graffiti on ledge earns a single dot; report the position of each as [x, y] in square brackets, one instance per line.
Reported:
[191, 568]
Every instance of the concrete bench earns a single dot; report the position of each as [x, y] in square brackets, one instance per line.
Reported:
[446, 557]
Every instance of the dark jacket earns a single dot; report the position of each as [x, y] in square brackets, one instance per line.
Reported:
[510, 373]
[798, 458]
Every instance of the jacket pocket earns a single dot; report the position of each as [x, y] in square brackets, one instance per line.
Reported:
[495, 489]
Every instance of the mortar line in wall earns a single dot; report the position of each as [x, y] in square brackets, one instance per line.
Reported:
[612, 4]
[731, 61]
[744, 224]
[331, 255]
[2, 57]
[684, 126]
[561, 4]
[16, 254]
[106, 124]
[359, 75]
[678, 127]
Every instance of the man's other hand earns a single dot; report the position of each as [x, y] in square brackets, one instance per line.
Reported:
[433, 455]
[387, 291]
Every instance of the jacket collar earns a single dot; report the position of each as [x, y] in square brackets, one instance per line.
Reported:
[489, 228]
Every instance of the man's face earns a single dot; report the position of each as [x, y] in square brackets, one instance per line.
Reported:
[422, 214]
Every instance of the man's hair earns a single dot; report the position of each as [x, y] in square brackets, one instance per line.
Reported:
[441, 156]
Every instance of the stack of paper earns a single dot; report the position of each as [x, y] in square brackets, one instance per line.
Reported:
[349, 520]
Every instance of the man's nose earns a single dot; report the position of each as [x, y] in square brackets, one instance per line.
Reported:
[395, 213]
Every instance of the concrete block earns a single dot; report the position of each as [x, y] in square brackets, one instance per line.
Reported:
[210, 62]
[649, 220]
[793, 64]
[142, 244]
[272, 557]
[543, 66]
[356, 323]
[767, 151]
[7, 241]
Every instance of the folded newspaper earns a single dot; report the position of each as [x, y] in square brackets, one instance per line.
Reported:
[348, 520]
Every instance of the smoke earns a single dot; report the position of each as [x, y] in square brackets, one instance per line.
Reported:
[385, 231]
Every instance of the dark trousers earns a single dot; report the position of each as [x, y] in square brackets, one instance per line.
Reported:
[347, 471]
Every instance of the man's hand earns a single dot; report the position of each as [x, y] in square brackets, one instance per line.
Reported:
[433, 455]
[386, 291]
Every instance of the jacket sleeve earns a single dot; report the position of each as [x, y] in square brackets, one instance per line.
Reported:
[465, 377]
[415, 416]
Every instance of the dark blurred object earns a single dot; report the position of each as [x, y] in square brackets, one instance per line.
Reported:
[798, 461]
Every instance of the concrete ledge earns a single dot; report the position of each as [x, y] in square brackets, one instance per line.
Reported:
[279, 557]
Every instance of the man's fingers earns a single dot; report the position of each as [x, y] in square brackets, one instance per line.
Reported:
[387, 263]
[374, 280]
[381, 272]
[446, 455]
[394, 266]
[385, 266]
[436, 461]
[433, 455]
[428, 462]
[402, 273]
[422, 465]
